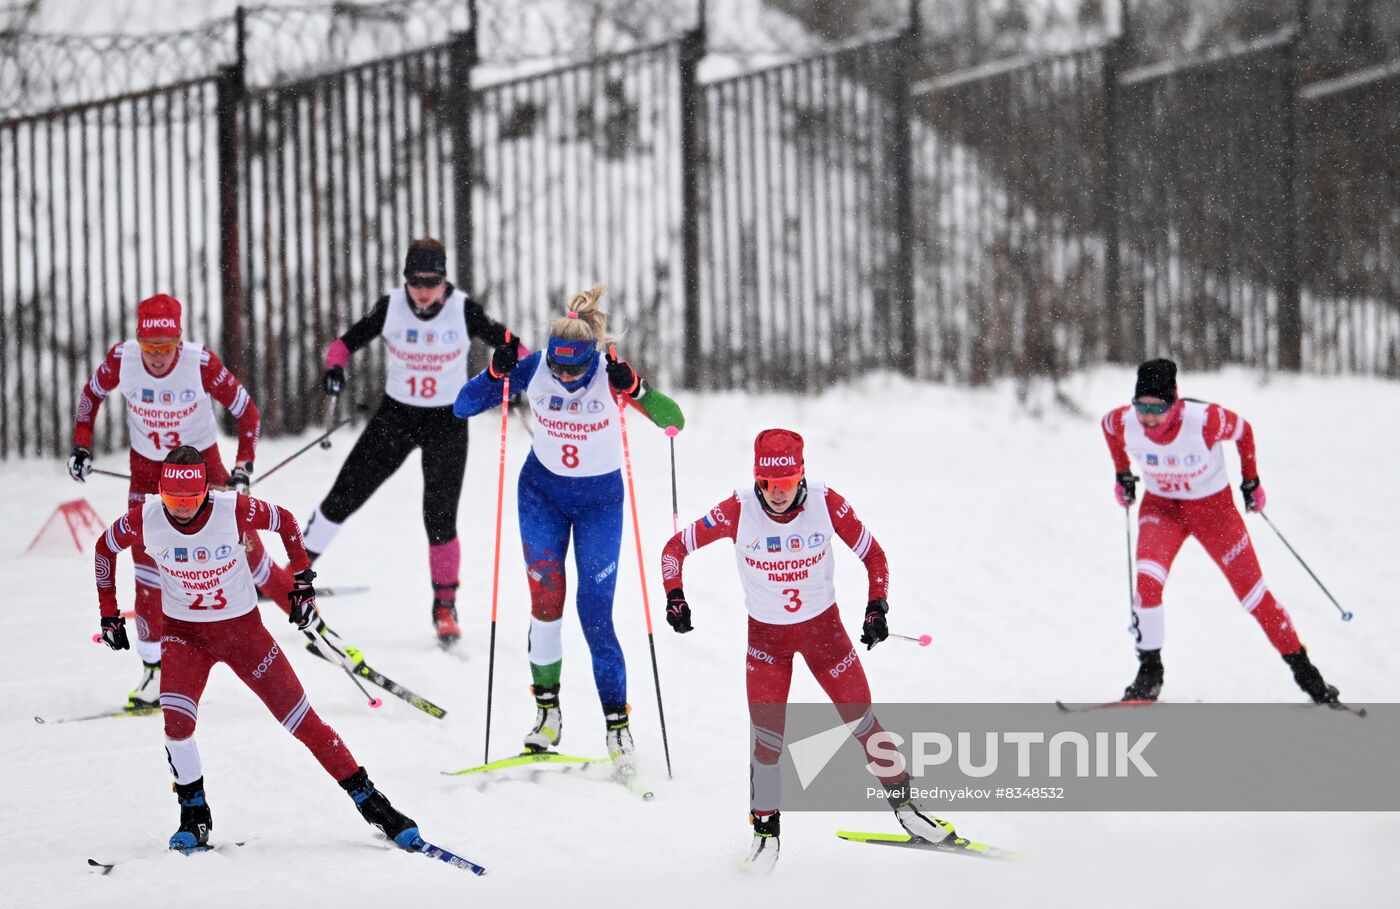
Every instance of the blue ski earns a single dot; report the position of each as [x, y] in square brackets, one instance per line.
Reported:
[437, 852]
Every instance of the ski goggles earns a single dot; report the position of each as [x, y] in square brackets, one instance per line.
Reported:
[425, 280]
[784, 484]
[569, 357]
[158, 348]
[1144, 407]
[183, 486]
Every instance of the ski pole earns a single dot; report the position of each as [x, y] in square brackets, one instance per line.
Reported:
[496, 561]
[922, 640]
[374, 702]
[1346, 616]
[1128, 535]
[303, 449]
[641, 568]
[111, 473]
[331, 403]
[671, 432]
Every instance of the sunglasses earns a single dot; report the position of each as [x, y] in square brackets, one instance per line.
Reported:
[425, 280]
[158, 348]
[1143, 407]
[174, 502]
[785, 484]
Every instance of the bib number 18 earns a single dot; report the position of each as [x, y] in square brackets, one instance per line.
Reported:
[425, 387]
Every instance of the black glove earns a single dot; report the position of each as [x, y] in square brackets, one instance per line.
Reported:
[334, 380]
[114, 632]
[874, 630]
[303, 600]
[623, 377]
[505, 357]
[80, 463]
[1128, 484]
[678, 611]
[1253, 495]
[239, 481]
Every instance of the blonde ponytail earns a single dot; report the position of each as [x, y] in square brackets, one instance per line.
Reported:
[586, 320]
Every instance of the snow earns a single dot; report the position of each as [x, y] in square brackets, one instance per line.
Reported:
[1004, 545]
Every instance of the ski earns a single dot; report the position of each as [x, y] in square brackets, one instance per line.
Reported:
[143, 711]
[359, 667]
[215, 847]
[1107, 705]
[433, 851]
[347, 591]
[958, 846]
[526, 759]
[1341, 705]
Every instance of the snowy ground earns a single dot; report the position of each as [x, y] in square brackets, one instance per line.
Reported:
[1004, 545]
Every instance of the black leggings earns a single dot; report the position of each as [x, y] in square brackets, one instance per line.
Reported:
[394, 431]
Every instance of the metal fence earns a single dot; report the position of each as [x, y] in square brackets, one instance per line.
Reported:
[775, 228]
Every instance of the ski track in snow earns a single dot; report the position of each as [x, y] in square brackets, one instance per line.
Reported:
[1004, 545]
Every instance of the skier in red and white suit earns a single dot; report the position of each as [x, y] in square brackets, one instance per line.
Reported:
[211, 616]
[782, 528]
[167, 383]
[1177, 446]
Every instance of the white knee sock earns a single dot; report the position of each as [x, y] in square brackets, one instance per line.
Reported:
[183, 755]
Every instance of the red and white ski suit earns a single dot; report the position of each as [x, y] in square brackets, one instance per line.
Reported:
[785, 564]
[1187, 493]
[211, 616]
[155, 427]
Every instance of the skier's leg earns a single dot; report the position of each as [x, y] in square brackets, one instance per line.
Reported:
[444, 454]
[379, 451]
[186, 671]
[150, 621]
[1160, 535]
[597, 543]
[544, 539]
[768, 678]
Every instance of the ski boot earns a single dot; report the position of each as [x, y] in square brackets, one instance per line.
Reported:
[549, 722]
[1309, 679]
[619, 739]
[375, 808]
[1148, 683]
[763, 851]
[146, 697]
[920, 826]
[445, 616]
[195, 819]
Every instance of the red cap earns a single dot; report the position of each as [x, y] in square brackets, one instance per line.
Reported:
[183, 480]
[777, 453]
[158, 317]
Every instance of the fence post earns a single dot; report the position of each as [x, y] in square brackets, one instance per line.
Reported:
[902, 153]
[1119, 347]
[1290, 310]
[463, 58]
[232, 87]
[692, 49]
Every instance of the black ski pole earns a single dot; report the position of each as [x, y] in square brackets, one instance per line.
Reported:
[303, 449]
[1346, 616]
[671, 433]
[111, 473]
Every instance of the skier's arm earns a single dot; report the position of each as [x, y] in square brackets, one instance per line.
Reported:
[482, 326]
[857, 536]
[720, 523]
[483, 391]
[255, 514]
[224, 387]
[659, 408]
[1113, 435]
[124, 533]
[102, 383]
[361, 333]
[1222, 425]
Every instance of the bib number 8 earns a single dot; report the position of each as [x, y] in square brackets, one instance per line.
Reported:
[569, 456]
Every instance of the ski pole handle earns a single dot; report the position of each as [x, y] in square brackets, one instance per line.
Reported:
[922, 640]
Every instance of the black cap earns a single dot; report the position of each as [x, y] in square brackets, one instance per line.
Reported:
[425, 260]
[1156, 379]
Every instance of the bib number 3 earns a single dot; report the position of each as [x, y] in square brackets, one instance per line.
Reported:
[794, 602]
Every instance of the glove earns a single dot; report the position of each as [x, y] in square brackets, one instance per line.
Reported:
[334, 380]
[1254, 498]
[678, 611]
[114, 632]
[874, 630]
[1125, 489]
[623, 377]
[303, 601]
[80, 463]
[504, 358]
[239, 481]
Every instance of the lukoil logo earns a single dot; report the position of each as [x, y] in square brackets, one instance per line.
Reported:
[187, 473]
[778, 461]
